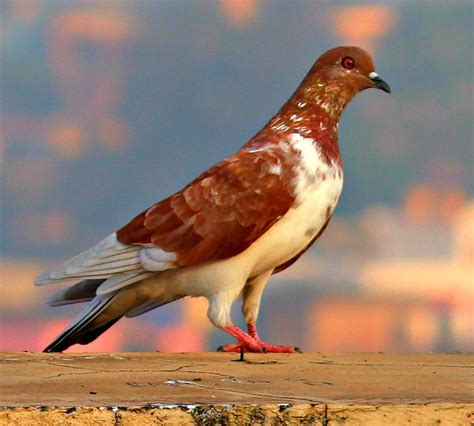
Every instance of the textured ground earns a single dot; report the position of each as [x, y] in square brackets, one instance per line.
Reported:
[215, 388]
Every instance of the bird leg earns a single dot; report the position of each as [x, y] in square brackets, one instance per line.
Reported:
[252, 328]
[250, 342]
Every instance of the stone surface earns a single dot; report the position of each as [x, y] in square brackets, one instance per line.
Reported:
[210, 388]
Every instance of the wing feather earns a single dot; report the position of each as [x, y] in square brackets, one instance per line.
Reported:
[222, 212]
[106, 258]
[216, 216]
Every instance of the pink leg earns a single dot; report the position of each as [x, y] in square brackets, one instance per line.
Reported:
[251, 342]
[252, 328]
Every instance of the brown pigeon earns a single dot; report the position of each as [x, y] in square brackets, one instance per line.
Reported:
[224, 234]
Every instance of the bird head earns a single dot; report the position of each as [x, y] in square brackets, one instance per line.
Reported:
[336, 77]
[348, 68]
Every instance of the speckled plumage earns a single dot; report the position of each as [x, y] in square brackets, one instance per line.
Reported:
[223, 235]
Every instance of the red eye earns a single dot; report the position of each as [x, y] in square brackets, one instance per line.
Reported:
[348, 62]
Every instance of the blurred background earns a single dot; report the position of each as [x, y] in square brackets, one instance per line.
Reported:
[108, 106]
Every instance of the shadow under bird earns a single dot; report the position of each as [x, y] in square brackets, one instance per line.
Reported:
[224, 234]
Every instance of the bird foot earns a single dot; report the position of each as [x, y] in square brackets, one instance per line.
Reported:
[252, 343]
[260, 347]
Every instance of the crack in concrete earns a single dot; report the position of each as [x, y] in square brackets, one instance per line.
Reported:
[96, 370]
[258, 395]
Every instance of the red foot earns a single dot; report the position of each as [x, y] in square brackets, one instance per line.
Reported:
[263, 347]
[251, 342]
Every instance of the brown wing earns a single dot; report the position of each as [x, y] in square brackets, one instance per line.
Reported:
[219, 214]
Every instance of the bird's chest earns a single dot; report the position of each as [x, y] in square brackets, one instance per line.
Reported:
[317, 192]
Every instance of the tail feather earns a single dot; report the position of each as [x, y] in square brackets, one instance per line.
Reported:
[103, 310]
[83, 291]
[82, 329]
[91, 335]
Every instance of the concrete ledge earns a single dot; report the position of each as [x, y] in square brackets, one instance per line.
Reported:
[214, 388]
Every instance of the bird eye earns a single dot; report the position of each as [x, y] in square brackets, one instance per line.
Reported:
[348, 62]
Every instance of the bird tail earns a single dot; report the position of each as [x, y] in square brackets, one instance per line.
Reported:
[102, 312]
[98, 316]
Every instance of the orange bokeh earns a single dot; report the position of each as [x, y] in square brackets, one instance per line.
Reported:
[363, 24]
[240, 13]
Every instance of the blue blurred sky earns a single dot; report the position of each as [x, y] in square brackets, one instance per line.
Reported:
[109, 106]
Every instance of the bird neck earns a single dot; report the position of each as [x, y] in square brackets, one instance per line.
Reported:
[311, 116]
[313, 112]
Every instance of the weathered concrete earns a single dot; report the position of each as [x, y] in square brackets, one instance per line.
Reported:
[213, 388]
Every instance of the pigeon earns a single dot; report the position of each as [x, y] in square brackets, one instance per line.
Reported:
[228, 231]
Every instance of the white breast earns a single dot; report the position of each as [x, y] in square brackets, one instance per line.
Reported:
[317, 188]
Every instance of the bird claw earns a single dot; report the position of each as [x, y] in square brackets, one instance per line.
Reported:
[267, 348]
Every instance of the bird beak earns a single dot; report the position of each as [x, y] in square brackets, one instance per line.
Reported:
[378, 82]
